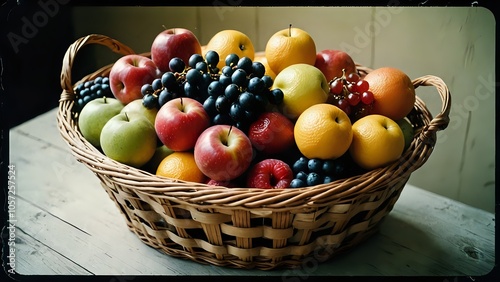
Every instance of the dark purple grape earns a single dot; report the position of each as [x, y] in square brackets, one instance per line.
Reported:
[239, 77]
[232, 60]
[256, 85]
[176, 65]
[212, 58]
[258, 69]
[195, 59]
[215, 88]
[245, 64]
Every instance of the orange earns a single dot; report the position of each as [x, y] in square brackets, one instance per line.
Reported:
[290, 46]
[230, 41]
[393, 91]
[323, 131]
[377, 141]
[261, 57]
[180, 165]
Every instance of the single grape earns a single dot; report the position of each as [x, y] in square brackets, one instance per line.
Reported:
[239, 77]
[150, 101]
[194, 76]
[300, 164]
[328, 167]
[191, 90]
[195, 59]
[256, 85]
[297, 183]
[98, 80]
[315, 165]
[156, 84]
[236, 112]
[222, 104]
[225, 80]
[222, 119]
[145, 89]
[212, 58]
[343, 104]
[176, 65]
[215, 88]
[336, 87]
[232, 60]
[232, 91]
[87, 84]
[247, 101]
[209, 106]
[351, 87]
[362, 86]
[258, 69]
[352, 77]
[105, 80]
[301, 175]
[202, 66]
[327, 179]
[276, 96]
[353, 99]
[168, 80]
[367, 97]
[268, 81]
[314, 179]
[165, 96]
[245, 64]
[227, 70]
[86, 99]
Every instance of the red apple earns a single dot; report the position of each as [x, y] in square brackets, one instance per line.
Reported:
[223, 152]
[128, 74]
[179, 122]
[331, 63]
[171, 43]
[271, 133]
[270, 174]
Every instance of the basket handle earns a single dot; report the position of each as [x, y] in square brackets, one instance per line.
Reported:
[441, 120]
[69, 57]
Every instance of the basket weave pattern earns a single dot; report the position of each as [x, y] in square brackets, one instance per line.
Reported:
[247, 227]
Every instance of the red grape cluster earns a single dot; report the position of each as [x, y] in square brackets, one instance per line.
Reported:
[352, 95]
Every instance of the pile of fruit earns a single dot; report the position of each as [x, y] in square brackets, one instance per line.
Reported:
[225, 115]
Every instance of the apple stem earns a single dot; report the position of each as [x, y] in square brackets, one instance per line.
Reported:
[164, 27]
[104, 99]
[229, 132]
[126, 116]
[290, 30]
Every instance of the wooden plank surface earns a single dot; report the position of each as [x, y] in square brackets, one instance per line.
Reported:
[66, 224]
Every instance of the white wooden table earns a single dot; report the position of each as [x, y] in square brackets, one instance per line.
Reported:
[66, 224]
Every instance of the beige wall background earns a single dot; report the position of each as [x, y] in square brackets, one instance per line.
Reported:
[456, 44]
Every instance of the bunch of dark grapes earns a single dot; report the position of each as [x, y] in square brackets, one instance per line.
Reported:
[182, 80]
[90, 90]
[241, 93]
[352, 95]
[310, 172]
[234, 95]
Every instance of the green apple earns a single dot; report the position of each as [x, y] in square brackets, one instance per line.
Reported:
[302, 85]
[161, 152]
[137, 108]
[129, 140]
[408, 131]
[94, 115]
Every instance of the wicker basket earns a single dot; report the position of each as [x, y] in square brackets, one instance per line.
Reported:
[246, 227]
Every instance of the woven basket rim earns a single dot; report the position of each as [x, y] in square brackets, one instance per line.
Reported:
[240, 197]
